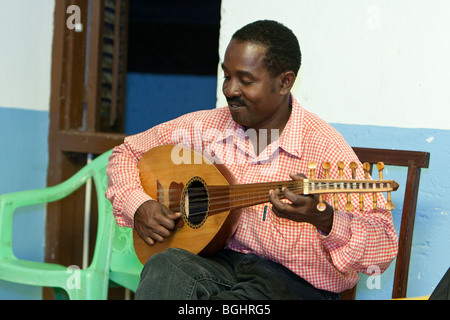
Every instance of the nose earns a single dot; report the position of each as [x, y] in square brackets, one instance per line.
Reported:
[230, 88]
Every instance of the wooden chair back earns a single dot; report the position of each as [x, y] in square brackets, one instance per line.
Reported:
[414, 161]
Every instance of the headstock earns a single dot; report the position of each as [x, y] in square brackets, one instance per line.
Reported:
[349, 186]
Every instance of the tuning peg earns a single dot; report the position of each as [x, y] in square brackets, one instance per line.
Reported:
[326, 167]
[353, 165]
[361, 202]
[380, 167]
[312, 166]
[374, 201]
[341, 166]
[349, 205]
[321, 206]
[336, 201]
[389, 205]
[367, 169]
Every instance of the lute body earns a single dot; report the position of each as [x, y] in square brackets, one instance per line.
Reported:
[164, 181]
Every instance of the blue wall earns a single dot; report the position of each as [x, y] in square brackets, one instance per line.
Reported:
[23, 165]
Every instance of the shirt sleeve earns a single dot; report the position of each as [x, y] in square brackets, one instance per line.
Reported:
[124, 187]
[358, 239]
[357, 242]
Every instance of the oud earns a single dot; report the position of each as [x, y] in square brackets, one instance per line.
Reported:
[209, 198]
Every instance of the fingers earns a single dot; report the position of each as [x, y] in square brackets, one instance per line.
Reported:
[152, 239]
[274, 199]
[156, 235]
[297, 210]
[292, 197]
[163, 227]
[297, 176]
[153, 234]
[154, 222]
[279, 207]
[167, 220]
[289, 195]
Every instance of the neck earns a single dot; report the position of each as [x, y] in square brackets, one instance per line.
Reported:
[262, 136]
[244, 195]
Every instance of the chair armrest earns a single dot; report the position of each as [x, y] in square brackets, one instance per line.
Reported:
[45, 195]
[11, 201]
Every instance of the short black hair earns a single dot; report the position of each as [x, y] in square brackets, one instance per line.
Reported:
[283, 50]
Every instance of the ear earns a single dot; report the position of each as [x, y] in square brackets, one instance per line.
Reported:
[287, 81]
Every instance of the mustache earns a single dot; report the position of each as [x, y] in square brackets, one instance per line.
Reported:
[236, 101]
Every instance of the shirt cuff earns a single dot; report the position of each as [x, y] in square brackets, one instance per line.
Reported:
[133, 202]
[340, 232]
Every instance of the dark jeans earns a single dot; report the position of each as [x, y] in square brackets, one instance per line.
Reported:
[180, 275]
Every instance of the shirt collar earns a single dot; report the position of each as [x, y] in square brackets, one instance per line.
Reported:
[290, 138]
[292, 134]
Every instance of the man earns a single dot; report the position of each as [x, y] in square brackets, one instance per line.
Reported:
[284, 249]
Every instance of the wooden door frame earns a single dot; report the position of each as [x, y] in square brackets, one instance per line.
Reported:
[75, 128]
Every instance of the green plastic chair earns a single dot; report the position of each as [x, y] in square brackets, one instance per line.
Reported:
[114, 259]
[125, 269]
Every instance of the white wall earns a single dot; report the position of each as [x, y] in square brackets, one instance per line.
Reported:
[378, 71]
[378, 62]
[26, 35]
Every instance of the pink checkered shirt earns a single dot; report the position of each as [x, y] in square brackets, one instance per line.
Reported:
[358, 242]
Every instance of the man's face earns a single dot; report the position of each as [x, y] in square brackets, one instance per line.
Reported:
[254, 97]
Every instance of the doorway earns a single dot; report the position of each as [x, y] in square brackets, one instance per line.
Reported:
[94, 68]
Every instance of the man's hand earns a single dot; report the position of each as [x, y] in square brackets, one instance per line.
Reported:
[154, 222]
[302, 208]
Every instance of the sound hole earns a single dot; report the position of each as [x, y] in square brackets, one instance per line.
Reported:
[195, 203]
